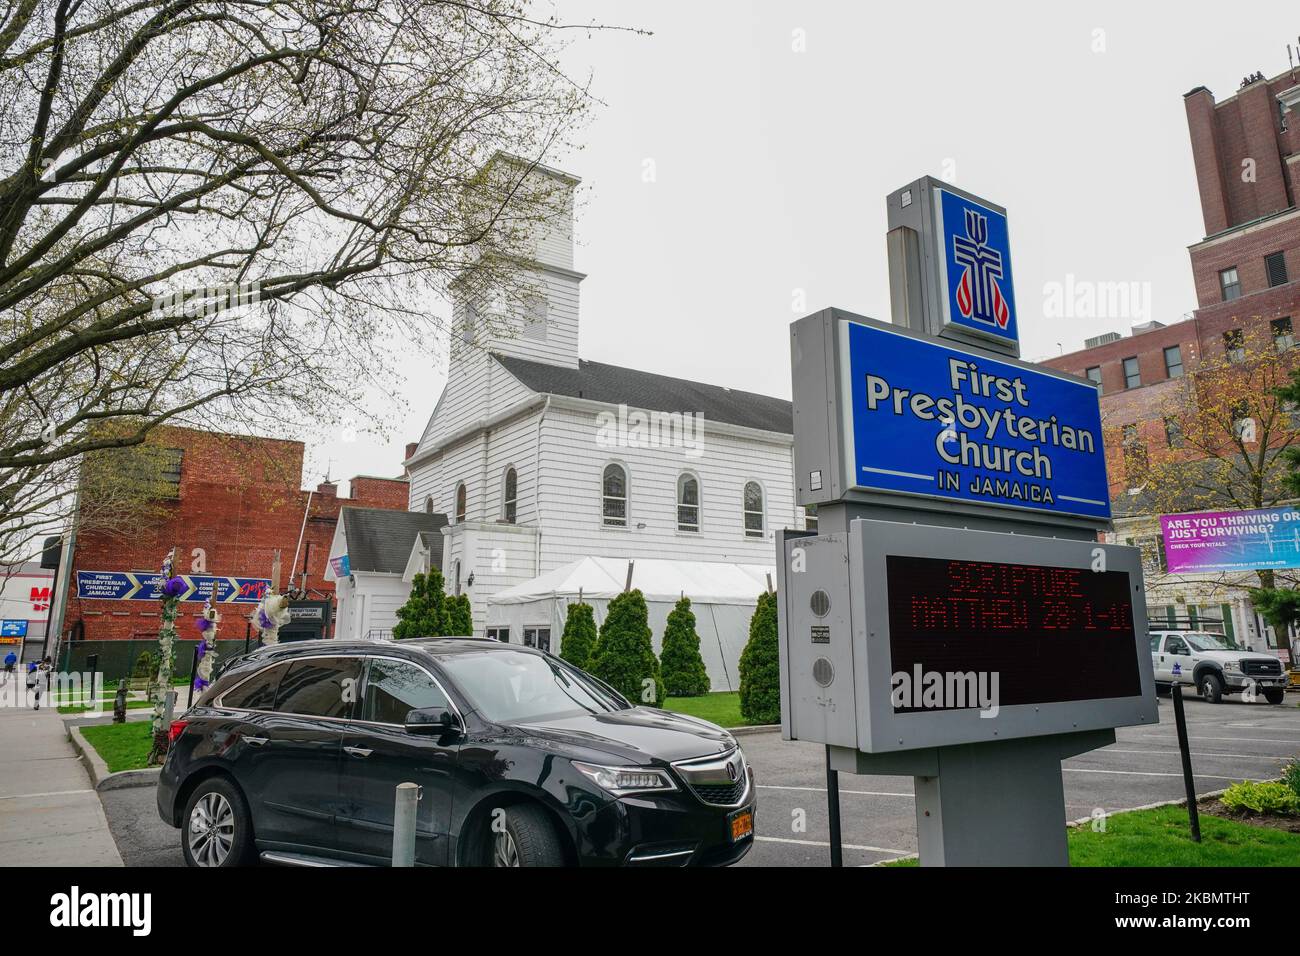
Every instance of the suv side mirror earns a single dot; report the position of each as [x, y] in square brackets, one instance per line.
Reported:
[432, 721]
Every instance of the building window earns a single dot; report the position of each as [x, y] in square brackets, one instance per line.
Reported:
[538, 637]
[1234, 345]
[1094, 375]
[1243, 425]
[501, 634]
[1283, 339]
[1174, 362]
[753, 510]
[1173, 433]
[1132, 374]
[810, 517]
[510, 496]
[688, 503]
[535, 311]
[1135, 463]
[428, 505]
[1229, 284]
[460, 502]
[614, 495]
[1275, 267]
[457, 581]
[1292, 412]
[1153, 553]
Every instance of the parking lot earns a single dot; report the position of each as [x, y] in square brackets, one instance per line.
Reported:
[1230, 741]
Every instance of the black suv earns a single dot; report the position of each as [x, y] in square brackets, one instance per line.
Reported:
[295, 751]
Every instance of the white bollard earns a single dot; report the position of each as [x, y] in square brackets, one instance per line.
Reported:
[408, 798]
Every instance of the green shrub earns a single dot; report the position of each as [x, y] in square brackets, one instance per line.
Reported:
[1291, 776]
[459, 616]
[760, 669]
[625, 657]
[679, 659]
[1269, 797]
[424, 614]
[578, 642]
[146, 665]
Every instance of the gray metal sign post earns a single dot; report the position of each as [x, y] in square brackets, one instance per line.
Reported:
[954, 618]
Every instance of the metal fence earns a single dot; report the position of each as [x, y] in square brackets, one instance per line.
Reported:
[118, 659]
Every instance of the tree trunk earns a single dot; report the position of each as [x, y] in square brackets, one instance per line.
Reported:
[163, 684]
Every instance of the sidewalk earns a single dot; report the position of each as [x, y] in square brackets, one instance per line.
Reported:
[49, 815]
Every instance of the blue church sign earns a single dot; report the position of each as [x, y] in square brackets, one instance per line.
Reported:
[928, 418]
[975, 256]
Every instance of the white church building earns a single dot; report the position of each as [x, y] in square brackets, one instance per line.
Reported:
[561, 477]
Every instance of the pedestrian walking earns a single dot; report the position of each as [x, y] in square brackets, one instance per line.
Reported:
[34, 677]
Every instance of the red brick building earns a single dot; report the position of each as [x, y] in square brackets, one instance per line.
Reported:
[236, 499]
[1246, 269]
[1246, 150]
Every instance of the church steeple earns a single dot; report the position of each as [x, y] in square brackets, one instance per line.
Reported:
[540, 321]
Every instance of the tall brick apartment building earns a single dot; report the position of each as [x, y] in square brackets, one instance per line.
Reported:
[1246, 150]
[238, 499]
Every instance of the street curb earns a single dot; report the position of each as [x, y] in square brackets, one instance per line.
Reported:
[1180, 802]
[756, 729]
[98, 771]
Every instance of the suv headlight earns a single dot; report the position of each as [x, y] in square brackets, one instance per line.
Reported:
[622, 781]
[1233, 666]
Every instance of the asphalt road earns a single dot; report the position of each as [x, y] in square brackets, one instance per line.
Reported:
[1230, 741]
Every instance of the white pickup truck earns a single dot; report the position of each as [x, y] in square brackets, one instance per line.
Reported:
[1215, 666]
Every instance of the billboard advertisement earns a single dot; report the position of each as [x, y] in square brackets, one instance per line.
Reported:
[1232, 540]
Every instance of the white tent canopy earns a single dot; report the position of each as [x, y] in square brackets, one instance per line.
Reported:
[722, 596]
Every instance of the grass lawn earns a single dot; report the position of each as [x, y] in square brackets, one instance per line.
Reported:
[122, 746]
[722, 708]
[109, 689]
[1160, 837]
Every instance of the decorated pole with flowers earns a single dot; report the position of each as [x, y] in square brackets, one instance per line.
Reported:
[271, 615]
[207, 643]
[172, 589]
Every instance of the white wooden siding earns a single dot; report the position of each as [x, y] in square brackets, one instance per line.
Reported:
[560, 345]
[499, 556]
[571, 467]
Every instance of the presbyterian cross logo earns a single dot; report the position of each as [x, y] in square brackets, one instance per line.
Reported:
[979, 296]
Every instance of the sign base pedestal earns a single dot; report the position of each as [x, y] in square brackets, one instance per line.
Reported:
[1000, 803]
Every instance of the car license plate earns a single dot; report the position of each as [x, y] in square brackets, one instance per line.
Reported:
[741, 823]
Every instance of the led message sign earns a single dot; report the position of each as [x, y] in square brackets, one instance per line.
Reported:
[1048, 633]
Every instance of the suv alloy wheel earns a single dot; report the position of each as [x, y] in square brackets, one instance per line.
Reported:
[525, 836]
[217, 829]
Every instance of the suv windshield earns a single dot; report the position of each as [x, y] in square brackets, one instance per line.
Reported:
[1205, 641]
[512, 686]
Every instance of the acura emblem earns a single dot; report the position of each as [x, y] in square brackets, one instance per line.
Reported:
[732, 771]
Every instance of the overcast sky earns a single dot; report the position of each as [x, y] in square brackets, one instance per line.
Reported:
[734, 179]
